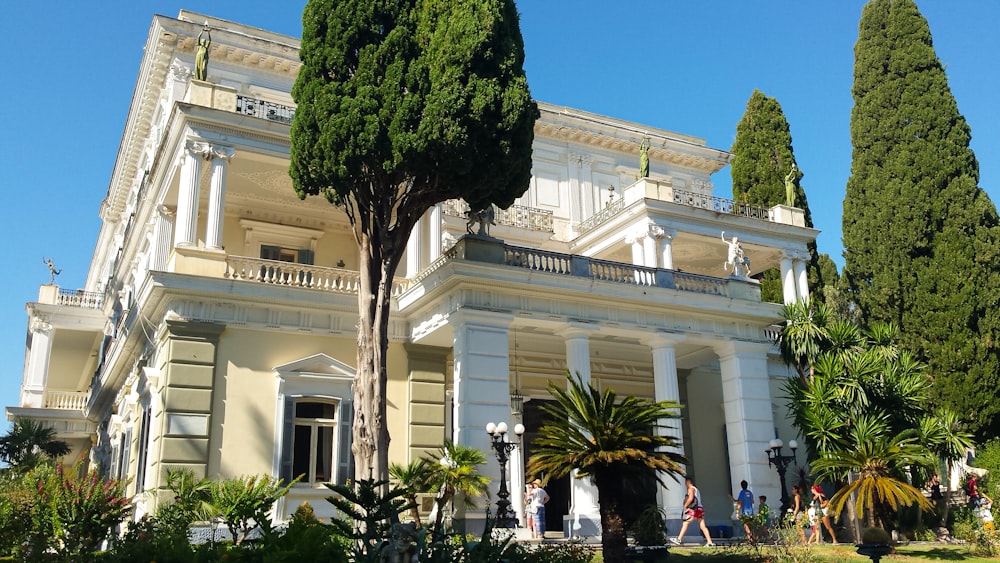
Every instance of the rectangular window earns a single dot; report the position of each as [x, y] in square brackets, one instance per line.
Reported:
[140, 470]
[314, 444]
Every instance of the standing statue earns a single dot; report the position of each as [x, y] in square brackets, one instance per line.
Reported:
[790, 180]
[736, 259]
[644, 158]
[53, 272]
[201, 57]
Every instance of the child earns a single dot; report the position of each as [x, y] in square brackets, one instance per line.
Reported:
[764, 511]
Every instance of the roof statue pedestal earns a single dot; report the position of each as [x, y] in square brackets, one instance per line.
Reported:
[201, 93]
[480, 248]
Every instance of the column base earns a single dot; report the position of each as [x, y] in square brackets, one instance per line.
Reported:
[582, 526]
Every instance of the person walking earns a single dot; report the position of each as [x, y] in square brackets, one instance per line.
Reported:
[744, 507]
[692, 511]
[799, 517]
[823, 512]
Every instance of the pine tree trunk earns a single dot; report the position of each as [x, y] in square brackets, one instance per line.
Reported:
[370, 431]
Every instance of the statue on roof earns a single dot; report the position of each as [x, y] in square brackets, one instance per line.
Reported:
[201, 57]
[790, 184]
[53, 272]
[644, 158]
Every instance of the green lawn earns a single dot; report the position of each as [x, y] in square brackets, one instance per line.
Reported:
[830, 554]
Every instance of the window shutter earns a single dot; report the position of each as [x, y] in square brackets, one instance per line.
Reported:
[287, 436]
[345, 457]
[268, 252]
[306, 256]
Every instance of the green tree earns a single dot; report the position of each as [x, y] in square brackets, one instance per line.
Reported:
[880, 459]
[613, 442]
[412, 478]
[29, 443]
[919, 234]
[402, 105]
[762, 159]
[455, 471]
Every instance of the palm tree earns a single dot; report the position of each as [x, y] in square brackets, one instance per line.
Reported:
[612, 441]
[805, 335]
[412, 478]
[944, 433]
[878, 458]
[455, 471]
[29, 443]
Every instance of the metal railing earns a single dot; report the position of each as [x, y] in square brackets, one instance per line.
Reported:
[80, 298]
[264, 109]
[275, 272]
[518, 216]
[721, 205]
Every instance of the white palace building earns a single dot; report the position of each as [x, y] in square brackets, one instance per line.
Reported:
[217, 328]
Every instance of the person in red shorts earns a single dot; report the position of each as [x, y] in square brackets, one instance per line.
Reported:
[693, 510]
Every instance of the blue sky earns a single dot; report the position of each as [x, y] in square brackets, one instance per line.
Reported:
[685, 66]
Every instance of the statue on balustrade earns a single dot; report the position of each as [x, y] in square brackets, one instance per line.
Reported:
[53, 272]
[736, 259]
[201, 57]
[484, 217]
[791, 181]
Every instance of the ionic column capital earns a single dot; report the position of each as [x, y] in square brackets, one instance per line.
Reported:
[198, 148]
[222, 152]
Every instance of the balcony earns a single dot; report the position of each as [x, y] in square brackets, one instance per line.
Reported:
[661, 190]
[65, 400]
[275, 272]
[80, 298]
[518, 216]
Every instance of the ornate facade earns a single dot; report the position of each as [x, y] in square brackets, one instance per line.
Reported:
[216, 331]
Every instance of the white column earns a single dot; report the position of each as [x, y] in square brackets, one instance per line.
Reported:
[802, 277]
[666, 251]
[746, 399]
[649, 254]
[185, 233]
[413, 245]
[217, 196]
[584, 512]
[666, 388]
[36, 371]
[434, 238]
[787, 279]
[163, 223]
[481, 376]
[635, 240]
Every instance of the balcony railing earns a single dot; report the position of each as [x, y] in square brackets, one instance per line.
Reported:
[264, 109]
[692, 199]
[66, 400]
[80, 298]
[518, 216]
[685, 198]
[618, 272]
[275, 272]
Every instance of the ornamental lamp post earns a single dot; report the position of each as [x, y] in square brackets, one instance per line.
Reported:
[505, 514]
[781, 463]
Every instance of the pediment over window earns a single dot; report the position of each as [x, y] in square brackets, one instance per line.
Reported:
[317, 365]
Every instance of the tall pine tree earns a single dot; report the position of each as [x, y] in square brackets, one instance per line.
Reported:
[762, 158]
[920, 236]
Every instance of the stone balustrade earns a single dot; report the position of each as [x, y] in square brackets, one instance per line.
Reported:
[65, 400]
[274, 272]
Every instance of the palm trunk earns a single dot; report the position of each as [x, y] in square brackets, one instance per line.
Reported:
[614, 537]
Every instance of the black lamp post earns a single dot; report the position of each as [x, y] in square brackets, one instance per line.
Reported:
[505, 514]
[781, 462]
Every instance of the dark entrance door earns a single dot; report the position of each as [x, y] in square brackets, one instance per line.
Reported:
[558, 489]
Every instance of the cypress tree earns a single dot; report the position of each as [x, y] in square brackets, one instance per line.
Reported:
[762, 159]
[919, 233]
